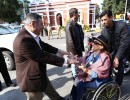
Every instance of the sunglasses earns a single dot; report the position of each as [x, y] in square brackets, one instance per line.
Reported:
[96, 43]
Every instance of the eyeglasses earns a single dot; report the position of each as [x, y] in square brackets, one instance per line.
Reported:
[96, 43]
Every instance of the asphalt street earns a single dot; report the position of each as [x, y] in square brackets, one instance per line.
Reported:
[60, 77]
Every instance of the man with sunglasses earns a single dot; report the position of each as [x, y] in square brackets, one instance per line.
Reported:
[119, 41]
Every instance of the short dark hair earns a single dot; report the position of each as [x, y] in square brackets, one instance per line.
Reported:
[106, 12]
[73, 11]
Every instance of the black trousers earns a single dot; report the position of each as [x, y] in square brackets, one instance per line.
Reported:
[3, 69]
[120, 74]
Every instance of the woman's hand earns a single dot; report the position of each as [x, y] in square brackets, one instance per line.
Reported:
[86, 70]
[82, 67]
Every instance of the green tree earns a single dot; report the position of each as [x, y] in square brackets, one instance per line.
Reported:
[121, 7]
[97, 12]
[107, 4]
[8, 10]
[117, 6]
[23, 6]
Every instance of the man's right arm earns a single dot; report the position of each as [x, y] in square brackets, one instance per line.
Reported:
[29, 49]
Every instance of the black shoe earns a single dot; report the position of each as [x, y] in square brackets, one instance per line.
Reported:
[0, 86]
[69, 66]
[62, 98]
[11, 85]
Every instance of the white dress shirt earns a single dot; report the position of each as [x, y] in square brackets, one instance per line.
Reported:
[36, 37]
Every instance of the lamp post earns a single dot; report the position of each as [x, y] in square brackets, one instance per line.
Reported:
[125, 9]
[24, 13]
[24, 10]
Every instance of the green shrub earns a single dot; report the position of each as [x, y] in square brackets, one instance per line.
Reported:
[86, 27]
[62, 27]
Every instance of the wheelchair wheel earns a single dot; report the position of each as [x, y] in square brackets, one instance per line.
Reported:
[107, 91]
[88, 95]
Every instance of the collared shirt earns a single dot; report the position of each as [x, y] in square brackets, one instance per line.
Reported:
[90, 60]
[36, 37]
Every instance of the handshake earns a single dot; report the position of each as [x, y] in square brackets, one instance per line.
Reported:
[72, 59]
[69, 58]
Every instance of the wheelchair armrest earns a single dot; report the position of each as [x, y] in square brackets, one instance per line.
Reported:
[90, 89]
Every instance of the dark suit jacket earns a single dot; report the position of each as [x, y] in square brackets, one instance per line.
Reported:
[74, 38]
[31, 62]
[119, 38]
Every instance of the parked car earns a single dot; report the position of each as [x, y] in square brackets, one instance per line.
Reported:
[16, 28]
[122, 20]
[7, 36]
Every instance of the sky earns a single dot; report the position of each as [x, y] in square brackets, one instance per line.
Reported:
[97, 1]
[30, 0]
[93, 1]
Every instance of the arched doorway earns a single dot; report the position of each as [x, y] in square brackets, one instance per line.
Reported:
[59, 19]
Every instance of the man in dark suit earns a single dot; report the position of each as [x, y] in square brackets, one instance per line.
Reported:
[118, 36]
[74, 36]
[4, 72]
[31, 56]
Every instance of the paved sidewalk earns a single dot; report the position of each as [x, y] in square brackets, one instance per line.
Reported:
[60, 78]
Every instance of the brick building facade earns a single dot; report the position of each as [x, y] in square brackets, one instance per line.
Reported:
[56, 12]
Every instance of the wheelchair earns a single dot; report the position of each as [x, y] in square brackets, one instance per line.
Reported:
[106, 91]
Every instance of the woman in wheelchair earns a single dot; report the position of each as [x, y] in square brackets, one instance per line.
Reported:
[94, 69]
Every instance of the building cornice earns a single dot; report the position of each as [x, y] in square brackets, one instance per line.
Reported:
[58, 3]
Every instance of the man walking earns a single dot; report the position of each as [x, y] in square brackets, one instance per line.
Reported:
[119, 40]
[4, 72]
[31, 56]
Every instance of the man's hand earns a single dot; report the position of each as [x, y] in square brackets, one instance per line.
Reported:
[116, 63]
[72, 61]
[72, 56]
[62, 53]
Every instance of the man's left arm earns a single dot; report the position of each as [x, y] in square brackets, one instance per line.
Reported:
[124, 42]
[53, 50]
[48, 48]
